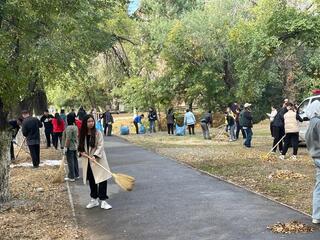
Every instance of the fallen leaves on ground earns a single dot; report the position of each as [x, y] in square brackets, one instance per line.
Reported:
[291, 227]
[38, 209]
[286, 175]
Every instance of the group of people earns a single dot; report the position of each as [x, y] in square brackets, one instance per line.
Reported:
[78, 137]
[238, 119]
[152, 118]
[284, 127]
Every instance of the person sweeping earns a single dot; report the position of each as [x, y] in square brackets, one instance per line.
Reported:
[91, 149]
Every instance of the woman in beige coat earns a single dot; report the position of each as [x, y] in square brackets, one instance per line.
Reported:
[291, 126]
[91, 148]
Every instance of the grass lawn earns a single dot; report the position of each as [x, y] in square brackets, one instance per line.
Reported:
[288, 181]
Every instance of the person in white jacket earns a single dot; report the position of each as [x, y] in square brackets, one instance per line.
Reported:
[271, 118]
[190, 121]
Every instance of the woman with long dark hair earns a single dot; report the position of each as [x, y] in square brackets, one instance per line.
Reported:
[91, 148]
[58, 128]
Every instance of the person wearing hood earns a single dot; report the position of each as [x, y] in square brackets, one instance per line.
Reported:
[313, 145]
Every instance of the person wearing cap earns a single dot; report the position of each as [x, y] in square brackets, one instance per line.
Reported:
[246, 122]
[313, 145]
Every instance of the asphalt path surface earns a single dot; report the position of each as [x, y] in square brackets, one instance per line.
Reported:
[172, 201]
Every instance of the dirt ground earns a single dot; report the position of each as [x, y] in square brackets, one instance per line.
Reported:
[38, 209]
[288, 181]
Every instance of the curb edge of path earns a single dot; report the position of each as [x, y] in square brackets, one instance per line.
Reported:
[219, 178]
[74, 218]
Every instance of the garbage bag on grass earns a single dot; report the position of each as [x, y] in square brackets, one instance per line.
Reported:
[180, 131]
[142, 129]
[124, 130]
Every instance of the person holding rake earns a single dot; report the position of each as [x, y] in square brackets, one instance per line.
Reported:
[91, 149]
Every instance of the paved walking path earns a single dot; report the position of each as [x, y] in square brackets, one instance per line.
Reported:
[174, 202]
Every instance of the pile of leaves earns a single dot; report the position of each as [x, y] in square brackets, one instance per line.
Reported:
[286, 175]
[268, 158]
[291, 227]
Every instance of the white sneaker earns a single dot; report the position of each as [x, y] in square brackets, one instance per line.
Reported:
[69, 179]
[281, 157]
[315, 221]
[93, 203]
[105, 205]
[293, 157]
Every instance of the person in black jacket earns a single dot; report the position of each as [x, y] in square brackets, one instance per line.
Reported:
[14, 128]
[30, 129]
[152, 117]
[278, 128]
[246, 123]
[46, 119]
[108, 121]
[170, 121]
[81, 113]
[206, 122]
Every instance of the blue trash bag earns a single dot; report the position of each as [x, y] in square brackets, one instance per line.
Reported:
[124, 130]
[180, 131]
[99, 126]
[142, 129]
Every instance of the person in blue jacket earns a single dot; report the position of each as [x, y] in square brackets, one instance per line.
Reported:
[136, 121]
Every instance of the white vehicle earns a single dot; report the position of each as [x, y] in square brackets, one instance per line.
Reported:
[303, 107]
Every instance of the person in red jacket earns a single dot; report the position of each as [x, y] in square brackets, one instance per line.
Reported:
[78, 123]
[58, 128]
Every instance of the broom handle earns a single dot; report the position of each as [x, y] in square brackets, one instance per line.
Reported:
[20, 147]
[276, 145]
[87, 156]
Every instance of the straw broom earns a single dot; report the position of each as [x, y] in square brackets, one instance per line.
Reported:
[124, 181]
[59, 176]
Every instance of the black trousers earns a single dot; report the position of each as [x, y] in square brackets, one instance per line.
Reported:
[238, 131]
[35, 154]
[12, 151]
[48, 133]
[170, 128]
[136, 126]
[293, 139]
[191, 128]
[278, 133]
[271, 130]
[57, 136]
[96, 190]
[107, 128]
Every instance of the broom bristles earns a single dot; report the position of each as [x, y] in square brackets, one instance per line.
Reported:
[124, 181]
[59, 177]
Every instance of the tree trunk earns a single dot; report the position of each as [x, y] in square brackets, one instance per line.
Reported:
[40, 102]
[159, 120]
[5, 138]
[4, 165]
